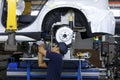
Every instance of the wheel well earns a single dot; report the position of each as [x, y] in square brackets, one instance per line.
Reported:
[55, 16]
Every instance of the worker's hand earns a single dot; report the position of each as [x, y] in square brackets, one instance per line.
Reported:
[41, 48]
[39, 43]
[55, 49]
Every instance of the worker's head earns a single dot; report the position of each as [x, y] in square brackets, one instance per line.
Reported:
[61, 47]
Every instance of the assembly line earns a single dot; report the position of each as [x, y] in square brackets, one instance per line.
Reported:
[60, 39]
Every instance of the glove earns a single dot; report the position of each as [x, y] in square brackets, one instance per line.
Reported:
[40, 42]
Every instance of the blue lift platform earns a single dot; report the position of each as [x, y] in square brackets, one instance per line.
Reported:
[74, 68]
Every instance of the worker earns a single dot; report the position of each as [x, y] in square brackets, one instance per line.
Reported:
[55, 63]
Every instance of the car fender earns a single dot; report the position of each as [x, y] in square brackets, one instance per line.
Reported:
[101, 19]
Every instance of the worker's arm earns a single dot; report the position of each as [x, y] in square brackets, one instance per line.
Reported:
[41, 54]
[41, 63]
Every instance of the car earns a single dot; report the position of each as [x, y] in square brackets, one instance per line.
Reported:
[88, 17]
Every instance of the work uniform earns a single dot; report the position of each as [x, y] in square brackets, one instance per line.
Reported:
[54, 66]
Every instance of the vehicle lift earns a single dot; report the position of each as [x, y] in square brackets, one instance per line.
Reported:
[11, 26]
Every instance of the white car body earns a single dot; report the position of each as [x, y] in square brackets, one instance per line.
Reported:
[96, 12]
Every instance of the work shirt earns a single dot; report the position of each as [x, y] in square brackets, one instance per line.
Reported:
[54, 66]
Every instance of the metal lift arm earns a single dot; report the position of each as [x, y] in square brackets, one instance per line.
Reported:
[11, 16]
[10, 45]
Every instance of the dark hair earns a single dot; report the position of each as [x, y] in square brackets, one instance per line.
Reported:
[63, 47]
